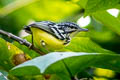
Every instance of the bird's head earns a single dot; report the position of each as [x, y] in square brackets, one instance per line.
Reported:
[71, 28]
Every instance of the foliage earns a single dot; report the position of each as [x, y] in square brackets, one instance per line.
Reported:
[99, 5]
[48, 64]
[86, 56]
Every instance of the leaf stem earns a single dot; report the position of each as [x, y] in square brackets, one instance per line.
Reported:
[21, 41]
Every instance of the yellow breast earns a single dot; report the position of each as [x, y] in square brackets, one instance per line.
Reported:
[52, 43]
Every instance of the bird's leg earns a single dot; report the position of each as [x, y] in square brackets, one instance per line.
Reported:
[32, 42]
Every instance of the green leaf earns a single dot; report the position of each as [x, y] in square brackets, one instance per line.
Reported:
[108, 20]
[82, 3]
[99, 5]
[4, 55]
[4, 72]
[2, 77]
[84, 44]
[54, 63]
[10, 55]
[118, 16]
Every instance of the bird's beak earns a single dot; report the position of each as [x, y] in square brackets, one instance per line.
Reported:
[81, 29]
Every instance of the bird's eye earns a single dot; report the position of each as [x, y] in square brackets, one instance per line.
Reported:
[42, 43]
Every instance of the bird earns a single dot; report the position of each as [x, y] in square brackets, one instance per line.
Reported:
[49, 36]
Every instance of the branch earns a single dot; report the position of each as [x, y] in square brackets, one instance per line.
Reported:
[21, 41]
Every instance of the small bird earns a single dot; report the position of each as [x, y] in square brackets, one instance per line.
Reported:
[49, 36]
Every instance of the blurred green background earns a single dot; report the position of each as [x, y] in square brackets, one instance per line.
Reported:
[14, 14]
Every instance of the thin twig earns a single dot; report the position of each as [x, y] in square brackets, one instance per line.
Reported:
[21, 41]
[15, 5]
